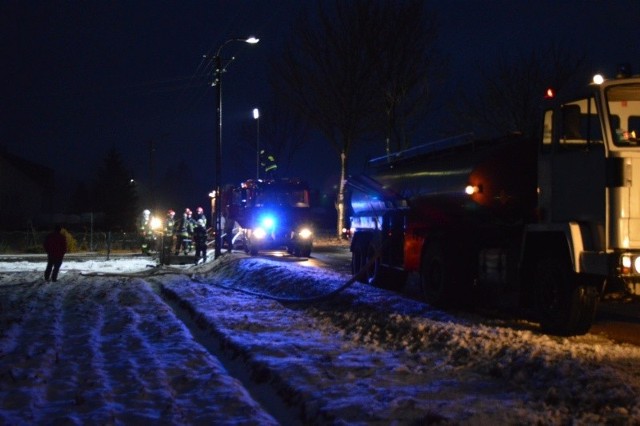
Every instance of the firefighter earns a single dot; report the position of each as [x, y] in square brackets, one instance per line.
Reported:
[184, 233]
[230, 228]
[170, 223]
[145, 232]
[268, 164]
[200, 235]
[169, 232]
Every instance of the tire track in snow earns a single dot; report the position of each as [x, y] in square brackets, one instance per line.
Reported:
[108, 350]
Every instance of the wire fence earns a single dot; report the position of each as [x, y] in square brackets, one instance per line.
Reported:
[15, 242]
[31, 242]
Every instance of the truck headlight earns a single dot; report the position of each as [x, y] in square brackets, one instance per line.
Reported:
[630, 264]
[305, 233]
[259, 233]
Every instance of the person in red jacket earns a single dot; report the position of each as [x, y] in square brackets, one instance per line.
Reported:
[55, 244]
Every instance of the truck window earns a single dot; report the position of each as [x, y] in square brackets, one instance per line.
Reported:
[239, 197]
[283, 198]
[624, 114]
[580, 125]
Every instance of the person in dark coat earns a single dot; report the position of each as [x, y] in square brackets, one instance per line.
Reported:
[55, 244]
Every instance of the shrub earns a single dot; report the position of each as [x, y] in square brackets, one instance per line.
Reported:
[72, 244]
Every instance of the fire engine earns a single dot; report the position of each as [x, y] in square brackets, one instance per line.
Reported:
[271, 214]
[547, 225]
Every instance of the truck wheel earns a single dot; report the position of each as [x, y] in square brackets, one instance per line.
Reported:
[565, 307]
[359, 257]
[434, 280]
[302, 251]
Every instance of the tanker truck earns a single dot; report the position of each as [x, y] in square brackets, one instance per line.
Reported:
[545, 227]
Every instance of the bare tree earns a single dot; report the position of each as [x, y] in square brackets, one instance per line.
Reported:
[407, 66]
[345, 65]
[508, 99]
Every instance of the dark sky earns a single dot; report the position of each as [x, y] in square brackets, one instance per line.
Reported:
[82, 76]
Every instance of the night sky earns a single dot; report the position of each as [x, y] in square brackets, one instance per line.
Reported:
[80, 77]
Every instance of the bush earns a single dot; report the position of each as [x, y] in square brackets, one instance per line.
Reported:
[72, 244]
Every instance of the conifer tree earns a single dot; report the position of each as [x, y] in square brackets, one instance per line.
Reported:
[115, 193]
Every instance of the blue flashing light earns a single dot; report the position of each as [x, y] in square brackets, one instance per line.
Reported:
[268, 222]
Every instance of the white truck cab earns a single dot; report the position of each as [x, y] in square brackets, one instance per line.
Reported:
[589, 180]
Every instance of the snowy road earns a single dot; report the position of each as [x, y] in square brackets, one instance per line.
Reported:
[230, 342]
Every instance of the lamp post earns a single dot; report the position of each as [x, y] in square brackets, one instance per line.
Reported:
[256, 116]
[218, 70]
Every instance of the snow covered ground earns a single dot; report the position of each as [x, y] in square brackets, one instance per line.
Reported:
[245, 340]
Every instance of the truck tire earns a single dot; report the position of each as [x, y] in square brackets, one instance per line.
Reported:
[359, 255]
[360, 258]
[565, 307]
[434, 277]
[357, 263]
[302, 251]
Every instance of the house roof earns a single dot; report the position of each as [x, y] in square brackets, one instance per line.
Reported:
[42, 175]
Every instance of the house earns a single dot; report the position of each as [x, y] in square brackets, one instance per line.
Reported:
[26, 191]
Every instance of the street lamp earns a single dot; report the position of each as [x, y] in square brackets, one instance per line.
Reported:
[256, 116]
[218, 83]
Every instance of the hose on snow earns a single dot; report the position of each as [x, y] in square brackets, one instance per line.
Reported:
[154, 272]
[321, 297]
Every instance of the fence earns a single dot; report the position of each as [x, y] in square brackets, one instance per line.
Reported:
[31, 242]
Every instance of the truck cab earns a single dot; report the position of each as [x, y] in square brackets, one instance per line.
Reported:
[589, 182]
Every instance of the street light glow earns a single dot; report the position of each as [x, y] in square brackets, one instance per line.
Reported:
[252, 40]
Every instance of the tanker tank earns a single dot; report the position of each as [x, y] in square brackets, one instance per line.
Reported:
[459, 177]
